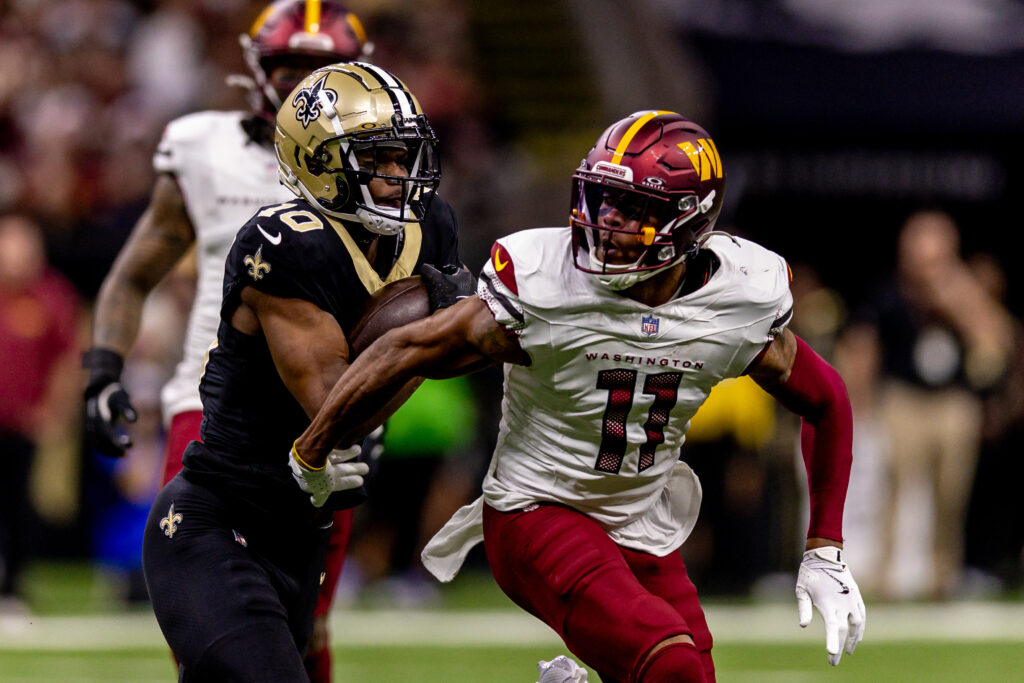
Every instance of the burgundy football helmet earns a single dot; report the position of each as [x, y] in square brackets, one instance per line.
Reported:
[303, 35]
[655, 167]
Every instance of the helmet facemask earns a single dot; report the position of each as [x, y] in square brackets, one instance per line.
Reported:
[348, 164]
[664, 226]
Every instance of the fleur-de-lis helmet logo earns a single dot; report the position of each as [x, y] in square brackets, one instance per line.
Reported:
[308, 104]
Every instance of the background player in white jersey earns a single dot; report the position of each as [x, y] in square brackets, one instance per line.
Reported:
[613, 332]
[215, 168]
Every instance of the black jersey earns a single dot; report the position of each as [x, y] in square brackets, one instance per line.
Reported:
[250, 419]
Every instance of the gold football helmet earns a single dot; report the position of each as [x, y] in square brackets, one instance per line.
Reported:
[346, 125]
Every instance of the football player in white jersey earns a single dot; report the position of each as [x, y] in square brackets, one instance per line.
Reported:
[215, 168]
[612, 332]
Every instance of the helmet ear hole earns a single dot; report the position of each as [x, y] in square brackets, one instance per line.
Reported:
[313, 165]
[343, 191]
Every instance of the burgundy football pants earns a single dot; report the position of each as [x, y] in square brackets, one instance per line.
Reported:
[609, 604]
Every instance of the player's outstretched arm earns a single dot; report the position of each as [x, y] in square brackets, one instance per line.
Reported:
[158, 241]
[453, 341]
[802, 381]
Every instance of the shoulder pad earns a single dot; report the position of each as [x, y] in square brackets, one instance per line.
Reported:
[503, 266]
[189, 132]
[285, 237]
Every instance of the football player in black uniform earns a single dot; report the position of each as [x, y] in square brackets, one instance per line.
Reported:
[234, 545]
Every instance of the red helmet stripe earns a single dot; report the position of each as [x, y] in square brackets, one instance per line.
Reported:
[620, 149]
[312, 16]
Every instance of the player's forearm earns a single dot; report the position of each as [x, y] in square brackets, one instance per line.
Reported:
[363, 391]
[816, 392]
[119, 304]
[447, 344]
[161, 237]
[118, 314]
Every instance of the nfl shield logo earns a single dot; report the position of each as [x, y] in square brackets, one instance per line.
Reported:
[649, 326]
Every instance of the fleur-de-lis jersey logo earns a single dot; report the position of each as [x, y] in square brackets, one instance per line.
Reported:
[170, 523]
[307, 101]
[257, 266]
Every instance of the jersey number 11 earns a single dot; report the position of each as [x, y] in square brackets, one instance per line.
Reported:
[621, 386]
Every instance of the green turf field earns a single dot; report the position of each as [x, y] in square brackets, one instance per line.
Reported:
[77, 635]
[909, 662]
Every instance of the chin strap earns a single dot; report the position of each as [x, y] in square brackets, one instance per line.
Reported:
[379, 224]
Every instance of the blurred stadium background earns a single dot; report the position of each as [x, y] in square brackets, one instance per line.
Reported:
[835, 120]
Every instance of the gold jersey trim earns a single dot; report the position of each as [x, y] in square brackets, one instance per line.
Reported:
[403, 267]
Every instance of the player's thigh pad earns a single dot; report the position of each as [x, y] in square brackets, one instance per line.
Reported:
[225, 611]
[561, 566]
[667, 578]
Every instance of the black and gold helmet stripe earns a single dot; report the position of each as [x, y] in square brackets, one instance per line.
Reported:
[373, 77]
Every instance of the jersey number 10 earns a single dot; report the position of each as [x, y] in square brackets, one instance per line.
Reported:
[621, 386]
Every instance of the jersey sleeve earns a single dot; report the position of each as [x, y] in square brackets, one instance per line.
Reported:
[172, 152]
[783, 303]
[277, 260]
[772, 304]
[497, 287]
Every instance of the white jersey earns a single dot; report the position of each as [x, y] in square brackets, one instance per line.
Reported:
[597, 420]
[224, 177]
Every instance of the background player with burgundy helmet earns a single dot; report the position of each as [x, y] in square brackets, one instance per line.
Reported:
[215, 168]
[612, 332]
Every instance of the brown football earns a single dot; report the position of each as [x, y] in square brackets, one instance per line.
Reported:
[393, 305]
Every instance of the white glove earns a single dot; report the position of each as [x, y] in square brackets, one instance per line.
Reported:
[338, 474]
[825, 582]
[561, 669]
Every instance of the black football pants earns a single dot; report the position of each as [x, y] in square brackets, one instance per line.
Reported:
[234, 599]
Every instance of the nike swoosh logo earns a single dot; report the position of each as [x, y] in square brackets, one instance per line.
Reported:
[275, 240]
[498, 265]
[846, 589]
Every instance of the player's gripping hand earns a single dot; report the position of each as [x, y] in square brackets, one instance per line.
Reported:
[340, 473]
[561, 669]
[445, 286]
[825, 582]
[106, 403]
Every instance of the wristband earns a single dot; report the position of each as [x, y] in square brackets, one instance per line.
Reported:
[298, 459]
[104, 366]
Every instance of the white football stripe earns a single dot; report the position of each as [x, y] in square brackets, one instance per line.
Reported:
[396, 89]
[772, 623]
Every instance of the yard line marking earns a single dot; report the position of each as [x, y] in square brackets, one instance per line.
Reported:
[768, 623]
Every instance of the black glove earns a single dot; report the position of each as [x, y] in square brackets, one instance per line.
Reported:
[446, 286]
[106, 402]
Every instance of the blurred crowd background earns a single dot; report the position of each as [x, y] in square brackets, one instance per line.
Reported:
[876, 145]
